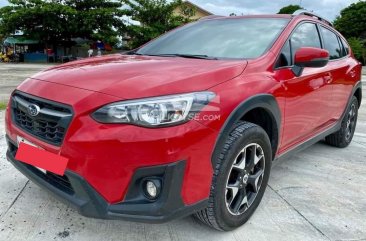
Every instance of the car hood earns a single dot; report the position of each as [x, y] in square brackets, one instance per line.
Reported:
[129, 77]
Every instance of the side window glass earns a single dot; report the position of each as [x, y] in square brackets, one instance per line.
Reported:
[306, 35]
[331, 43]
[285, 56]
[345, 47]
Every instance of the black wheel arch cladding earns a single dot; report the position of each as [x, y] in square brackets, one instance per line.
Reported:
[266, 102]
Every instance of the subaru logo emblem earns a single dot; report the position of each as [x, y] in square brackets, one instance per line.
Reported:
[33, 110]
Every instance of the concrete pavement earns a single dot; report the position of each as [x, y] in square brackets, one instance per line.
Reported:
[318, 194]
[11, 75]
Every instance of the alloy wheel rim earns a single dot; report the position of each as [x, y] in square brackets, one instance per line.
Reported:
[351, 121]
[245, 179]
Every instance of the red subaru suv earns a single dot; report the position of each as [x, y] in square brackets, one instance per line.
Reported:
[188, 123]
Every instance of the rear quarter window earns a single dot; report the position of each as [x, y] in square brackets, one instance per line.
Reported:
[346, 50]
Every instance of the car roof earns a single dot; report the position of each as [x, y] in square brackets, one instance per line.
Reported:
[288, 16]
[300, 14]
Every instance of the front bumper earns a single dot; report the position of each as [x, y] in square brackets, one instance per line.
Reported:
[107, 162]
[75, 190]
[108, 155]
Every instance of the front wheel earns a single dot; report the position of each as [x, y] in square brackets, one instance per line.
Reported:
[240, 179]
[343, 137]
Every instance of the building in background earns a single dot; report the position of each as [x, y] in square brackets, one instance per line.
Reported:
[17, 48]
[190, 8]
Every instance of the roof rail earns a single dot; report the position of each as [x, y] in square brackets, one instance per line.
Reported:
[211, 17]
[311, 14]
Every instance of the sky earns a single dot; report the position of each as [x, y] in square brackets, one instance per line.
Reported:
[327, 8]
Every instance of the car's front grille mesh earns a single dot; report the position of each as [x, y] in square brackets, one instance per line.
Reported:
[49, 125]
[49, 130]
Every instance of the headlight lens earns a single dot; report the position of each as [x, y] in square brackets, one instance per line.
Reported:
[155, 112]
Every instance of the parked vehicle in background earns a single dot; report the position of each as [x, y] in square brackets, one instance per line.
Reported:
[189, 123]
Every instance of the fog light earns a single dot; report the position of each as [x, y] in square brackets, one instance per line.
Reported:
[152, 188]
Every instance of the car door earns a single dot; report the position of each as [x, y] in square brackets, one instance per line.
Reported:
[340, 67]
[307, 96]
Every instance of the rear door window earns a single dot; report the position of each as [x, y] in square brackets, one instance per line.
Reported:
[331, 43]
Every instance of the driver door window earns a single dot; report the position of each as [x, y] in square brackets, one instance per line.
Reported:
[306, 35]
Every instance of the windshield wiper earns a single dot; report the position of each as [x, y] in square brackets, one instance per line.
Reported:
[132, 53]
[192, 56]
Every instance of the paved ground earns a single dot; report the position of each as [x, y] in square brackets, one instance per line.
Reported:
[12, 74]
[318, 194]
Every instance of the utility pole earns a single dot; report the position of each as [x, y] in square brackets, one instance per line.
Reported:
[300, 3]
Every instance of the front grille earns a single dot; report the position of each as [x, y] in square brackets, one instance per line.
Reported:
[49, 124]
[48, 130]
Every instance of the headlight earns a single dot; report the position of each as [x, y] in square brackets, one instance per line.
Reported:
[154, 112]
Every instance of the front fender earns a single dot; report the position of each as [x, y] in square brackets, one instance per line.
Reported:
[265, 101]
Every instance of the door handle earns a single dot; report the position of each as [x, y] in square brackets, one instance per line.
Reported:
[352, 73]
[328, 78]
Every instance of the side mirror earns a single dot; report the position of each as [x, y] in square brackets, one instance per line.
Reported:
[311, 58]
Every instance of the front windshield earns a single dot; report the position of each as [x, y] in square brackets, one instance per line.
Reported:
[219, 38]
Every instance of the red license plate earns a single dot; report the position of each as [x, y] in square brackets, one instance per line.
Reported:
[41, 159]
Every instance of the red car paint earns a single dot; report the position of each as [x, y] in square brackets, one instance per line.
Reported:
[308, 54]
[107, 155]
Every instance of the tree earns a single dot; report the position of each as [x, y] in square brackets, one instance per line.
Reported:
[60, 20]
[290, 9]
[352, 21]
[358, 48]
[155, 17]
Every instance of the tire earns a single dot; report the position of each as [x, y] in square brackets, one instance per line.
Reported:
[234, 179]
[343, 137]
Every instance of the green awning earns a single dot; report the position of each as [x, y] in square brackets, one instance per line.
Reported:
[20, 40]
